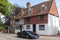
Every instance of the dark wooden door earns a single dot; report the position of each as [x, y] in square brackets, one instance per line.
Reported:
[34, 28]
[21, 28]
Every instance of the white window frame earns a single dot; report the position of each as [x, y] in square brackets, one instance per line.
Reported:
[28, 27]
[41, 27]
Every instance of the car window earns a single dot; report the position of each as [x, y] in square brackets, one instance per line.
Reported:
[24, 33]
[30, 33]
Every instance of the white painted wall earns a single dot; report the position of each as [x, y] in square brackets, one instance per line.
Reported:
[42, 32]
[59, 25]
[53, 24]
[17, 30]
[19, 23]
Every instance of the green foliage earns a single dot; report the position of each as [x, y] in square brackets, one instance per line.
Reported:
[1, 26]
[5, 7]
[0, 21]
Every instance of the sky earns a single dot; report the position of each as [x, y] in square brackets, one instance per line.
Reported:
[22, 3]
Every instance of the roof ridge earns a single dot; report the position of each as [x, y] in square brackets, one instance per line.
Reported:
[40, 3]
[50, 5]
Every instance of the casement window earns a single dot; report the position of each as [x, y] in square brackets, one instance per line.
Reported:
[27, 19]
[28, 27]
[17, 27]
[42, 8]
[41, 17]
[41, 27]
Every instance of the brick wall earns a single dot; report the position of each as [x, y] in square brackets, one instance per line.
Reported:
[36, 20]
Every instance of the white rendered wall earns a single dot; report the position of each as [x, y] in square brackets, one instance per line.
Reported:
[42, 32]
[17, 30]
[53, 24]
[59, 25]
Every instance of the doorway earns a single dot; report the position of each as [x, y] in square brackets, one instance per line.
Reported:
[34, 28]
[21, 28]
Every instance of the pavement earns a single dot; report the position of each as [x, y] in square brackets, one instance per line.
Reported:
[6, 36]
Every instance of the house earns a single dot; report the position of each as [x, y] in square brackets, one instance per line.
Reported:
[42, 18]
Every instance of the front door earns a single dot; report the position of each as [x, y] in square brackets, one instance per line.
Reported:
[21, 28]
[34, 28]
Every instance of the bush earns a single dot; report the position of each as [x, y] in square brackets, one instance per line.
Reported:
[1, 27]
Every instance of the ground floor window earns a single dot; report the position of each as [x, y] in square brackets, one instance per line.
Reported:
[28, 27]
[41, 27]
[17, 27]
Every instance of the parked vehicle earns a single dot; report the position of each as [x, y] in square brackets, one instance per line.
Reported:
[27, 34]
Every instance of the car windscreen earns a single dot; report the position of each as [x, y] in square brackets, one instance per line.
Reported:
[30, 33]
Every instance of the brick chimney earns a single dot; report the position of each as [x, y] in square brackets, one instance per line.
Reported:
[28, 5]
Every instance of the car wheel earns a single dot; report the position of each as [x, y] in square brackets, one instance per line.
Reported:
[17, 35]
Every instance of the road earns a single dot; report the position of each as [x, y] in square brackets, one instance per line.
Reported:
[5, 36]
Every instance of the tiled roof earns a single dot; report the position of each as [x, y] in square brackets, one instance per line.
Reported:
[36, 10]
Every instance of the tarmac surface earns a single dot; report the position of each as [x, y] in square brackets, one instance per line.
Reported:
[6, 36]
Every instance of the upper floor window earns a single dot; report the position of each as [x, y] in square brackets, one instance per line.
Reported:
[42, 8]
[41, 17]
[27, 19]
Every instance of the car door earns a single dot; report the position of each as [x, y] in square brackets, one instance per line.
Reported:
[24, 34]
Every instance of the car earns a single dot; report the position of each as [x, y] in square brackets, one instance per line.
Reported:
[27, 34]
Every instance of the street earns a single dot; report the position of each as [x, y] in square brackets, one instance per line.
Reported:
[5, 36]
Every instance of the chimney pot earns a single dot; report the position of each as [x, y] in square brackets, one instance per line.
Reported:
[28, 5]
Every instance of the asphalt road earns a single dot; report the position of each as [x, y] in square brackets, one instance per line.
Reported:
[5, 36]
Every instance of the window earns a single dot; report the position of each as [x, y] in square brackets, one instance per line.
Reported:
[42, 8]
[41, 17]
[28, 27]
[28, 10]
[41, 27]
[27, 19]
[17, 20]
[17, 27]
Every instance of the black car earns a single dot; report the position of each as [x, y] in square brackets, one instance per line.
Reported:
[27, 34]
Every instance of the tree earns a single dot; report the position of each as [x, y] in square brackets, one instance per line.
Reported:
[5, 7]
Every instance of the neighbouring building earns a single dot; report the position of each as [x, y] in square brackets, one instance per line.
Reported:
[42, 18]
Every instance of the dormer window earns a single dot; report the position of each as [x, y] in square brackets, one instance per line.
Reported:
[42, 8]
[29, 11]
